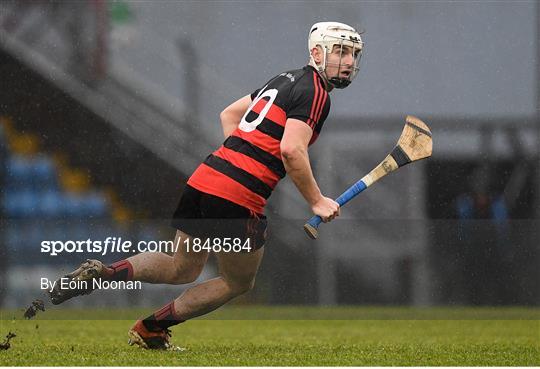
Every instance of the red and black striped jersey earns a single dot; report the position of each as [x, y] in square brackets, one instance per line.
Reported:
[248, 166]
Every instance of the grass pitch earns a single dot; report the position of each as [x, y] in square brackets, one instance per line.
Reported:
[378, 340]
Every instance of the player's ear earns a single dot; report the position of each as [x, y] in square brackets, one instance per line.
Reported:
[316, 52]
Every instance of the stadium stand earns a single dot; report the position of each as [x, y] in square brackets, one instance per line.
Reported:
[36, 186]
[44, 198]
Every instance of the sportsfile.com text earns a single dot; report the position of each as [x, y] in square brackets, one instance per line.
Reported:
[119, 245]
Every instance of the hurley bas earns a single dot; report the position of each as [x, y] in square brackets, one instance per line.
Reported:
[90, 285]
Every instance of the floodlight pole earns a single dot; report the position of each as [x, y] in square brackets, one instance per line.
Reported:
[538, 109]
[188, 53]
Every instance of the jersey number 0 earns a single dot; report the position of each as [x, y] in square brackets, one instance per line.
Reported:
[250, 126]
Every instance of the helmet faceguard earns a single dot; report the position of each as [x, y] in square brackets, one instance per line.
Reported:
[328, 35]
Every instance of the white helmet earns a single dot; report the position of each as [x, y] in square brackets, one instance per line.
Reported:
[328, 34]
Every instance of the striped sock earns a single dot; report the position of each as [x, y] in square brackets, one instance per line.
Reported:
[162, 319]
[120, 271]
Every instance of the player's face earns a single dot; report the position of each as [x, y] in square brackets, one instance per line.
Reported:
[340, 61]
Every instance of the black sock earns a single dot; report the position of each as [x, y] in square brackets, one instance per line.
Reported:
[162, 319]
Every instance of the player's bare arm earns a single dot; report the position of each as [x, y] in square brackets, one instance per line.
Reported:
[294, 152]
[232, 114]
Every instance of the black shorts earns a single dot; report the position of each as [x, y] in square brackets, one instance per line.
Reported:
[201, 215]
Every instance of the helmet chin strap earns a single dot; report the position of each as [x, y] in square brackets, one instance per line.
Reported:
[339, 82]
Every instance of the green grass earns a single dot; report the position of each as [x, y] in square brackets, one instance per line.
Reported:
[288, 341]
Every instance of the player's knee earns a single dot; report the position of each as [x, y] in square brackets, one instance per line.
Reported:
[239, 287]
[187, 275]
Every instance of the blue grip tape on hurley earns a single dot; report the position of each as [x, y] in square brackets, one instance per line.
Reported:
[345, 197]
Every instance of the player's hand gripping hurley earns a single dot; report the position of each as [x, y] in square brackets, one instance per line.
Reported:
[415, 143]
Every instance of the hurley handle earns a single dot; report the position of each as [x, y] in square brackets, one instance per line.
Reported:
[313, 224]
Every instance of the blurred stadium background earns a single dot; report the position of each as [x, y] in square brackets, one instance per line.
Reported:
[106, 107]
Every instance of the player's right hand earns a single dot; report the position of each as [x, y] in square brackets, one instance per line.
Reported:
[326, 208]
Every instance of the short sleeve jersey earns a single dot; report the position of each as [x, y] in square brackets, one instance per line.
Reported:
[248, 166]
